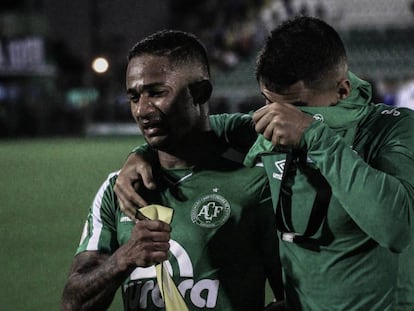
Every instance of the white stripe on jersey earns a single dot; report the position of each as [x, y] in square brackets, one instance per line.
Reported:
[96, 215]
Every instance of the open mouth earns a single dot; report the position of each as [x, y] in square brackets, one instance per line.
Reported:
[152, 127]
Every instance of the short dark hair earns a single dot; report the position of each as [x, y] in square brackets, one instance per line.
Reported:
[179, 46]
[303, 48]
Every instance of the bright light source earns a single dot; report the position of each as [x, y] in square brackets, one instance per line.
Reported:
[100, 65]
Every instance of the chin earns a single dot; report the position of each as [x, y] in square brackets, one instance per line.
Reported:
[156, 142]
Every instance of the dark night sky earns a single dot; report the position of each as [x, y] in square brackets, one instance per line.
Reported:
[120, 23]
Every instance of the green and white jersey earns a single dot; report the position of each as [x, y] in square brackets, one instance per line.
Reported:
[346, 212]
[223, 239]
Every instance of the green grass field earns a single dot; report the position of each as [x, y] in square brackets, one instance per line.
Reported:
[46, 187]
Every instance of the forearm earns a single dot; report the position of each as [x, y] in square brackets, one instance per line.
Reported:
[93, 286]
[236, 129]
[379, 202]
[95, 276]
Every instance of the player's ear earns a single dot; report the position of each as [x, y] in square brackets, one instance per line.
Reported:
[200, 91]
[343, 89]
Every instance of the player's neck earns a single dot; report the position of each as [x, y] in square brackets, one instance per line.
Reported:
[191, 154]
[170, 161]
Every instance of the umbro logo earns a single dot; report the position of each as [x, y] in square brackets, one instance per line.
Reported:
[280, 167]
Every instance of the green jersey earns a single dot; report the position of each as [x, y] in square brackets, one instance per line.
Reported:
[345, 211]
[364, 195]
[223, 240]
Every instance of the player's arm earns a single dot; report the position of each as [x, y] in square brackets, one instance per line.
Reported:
[236, 129]
[95, 276]
[92, 283]
[99, 268]
[378, 196]
[135, 173]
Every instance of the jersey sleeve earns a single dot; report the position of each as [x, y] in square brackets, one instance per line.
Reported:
[378, 196]
[100, 228]
[142, 149]
[149, 154]
[236, 129]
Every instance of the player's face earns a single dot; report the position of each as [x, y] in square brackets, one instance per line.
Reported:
[299, 95]
[160, 100]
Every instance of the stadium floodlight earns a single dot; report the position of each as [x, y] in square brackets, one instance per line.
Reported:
[100, 65]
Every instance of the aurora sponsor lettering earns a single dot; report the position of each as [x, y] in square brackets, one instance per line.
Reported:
[142, 291]
[142, 294]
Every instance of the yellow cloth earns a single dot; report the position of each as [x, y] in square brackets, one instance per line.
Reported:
[169, 292]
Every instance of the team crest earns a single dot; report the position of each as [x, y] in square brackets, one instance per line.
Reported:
[318, 117]
[210, 211]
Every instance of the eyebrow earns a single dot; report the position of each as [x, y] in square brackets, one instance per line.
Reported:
[298, 103]
[142, 88]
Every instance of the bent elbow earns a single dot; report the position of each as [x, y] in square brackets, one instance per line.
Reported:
[398, 241]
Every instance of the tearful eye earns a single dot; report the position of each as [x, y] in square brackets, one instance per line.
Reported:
[157, 93]
[134, 99]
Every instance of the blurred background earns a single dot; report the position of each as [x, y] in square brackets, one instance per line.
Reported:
[62, 62]
[65, 122]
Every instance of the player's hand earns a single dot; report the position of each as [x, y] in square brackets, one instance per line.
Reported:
[135, 173]
[148, 245]
[282, 124]
[275, 306]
